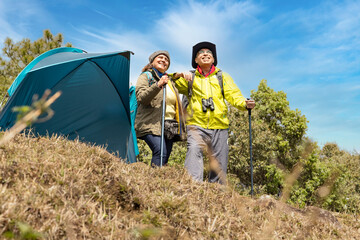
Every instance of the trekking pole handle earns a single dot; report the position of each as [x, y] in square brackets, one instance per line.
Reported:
[249, 109]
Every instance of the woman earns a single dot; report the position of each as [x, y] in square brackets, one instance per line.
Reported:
[149, 94]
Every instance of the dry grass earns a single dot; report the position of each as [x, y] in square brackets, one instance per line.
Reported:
[52, 188]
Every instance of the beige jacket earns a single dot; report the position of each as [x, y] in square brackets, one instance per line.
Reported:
[150, 98]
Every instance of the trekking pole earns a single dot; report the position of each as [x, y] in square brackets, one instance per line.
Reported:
[162, 126]
[251, 163]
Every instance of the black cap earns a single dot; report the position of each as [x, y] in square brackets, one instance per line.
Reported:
[201, 45]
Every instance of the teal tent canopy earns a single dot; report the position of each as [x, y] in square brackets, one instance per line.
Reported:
[94, 105]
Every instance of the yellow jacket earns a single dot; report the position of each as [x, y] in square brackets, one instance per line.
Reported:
[205, 87]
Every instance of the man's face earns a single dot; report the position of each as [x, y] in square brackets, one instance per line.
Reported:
[204, 57]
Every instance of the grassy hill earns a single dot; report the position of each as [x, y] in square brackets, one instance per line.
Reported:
[52, 188]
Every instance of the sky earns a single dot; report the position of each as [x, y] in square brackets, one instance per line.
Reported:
[308, 49]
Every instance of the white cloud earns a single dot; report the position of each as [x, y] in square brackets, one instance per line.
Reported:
[6, 29]
[192, 22]
[329, 37]
[134, 41]
[313, 54]
[17, 18]
[177, 30]
[104, 14]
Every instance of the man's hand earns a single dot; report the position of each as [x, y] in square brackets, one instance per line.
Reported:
[250, 103]
[186, 75]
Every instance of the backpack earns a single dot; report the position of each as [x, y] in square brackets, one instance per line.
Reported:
[133, 111]
[186, 100]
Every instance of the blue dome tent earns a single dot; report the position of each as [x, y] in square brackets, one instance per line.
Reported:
[94, 105]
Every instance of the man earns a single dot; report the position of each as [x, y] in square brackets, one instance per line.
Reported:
[207, 122]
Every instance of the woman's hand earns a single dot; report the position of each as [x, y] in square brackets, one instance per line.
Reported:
[163, 81]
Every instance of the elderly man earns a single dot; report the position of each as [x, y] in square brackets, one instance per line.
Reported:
[207, 122]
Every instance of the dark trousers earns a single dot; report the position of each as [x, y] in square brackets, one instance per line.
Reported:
[154, 142]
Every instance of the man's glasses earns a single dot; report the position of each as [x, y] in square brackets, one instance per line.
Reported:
[201, 52]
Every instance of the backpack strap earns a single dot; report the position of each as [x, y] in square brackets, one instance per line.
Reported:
[220, 79]
[190, 84]
[149, 77]
[148, 74]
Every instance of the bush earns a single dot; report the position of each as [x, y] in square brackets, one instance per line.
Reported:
[330, 177]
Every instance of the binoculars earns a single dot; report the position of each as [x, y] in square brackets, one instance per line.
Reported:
[207, 103]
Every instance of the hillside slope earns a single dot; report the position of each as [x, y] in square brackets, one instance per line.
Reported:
[52, 188]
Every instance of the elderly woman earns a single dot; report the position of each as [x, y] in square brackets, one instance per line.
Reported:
[149, 93]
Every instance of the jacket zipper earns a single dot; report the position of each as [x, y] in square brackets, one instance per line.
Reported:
[207, 80]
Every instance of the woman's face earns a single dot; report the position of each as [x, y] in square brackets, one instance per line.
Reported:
[161, 63]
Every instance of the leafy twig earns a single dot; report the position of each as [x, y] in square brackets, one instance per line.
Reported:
[41, 106]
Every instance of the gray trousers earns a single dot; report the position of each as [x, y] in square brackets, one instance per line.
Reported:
[214, 141]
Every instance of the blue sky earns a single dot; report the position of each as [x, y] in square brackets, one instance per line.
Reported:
[308, 49]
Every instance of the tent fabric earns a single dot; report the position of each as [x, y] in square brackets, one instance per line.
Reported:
[33, 63]
[94, 105]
